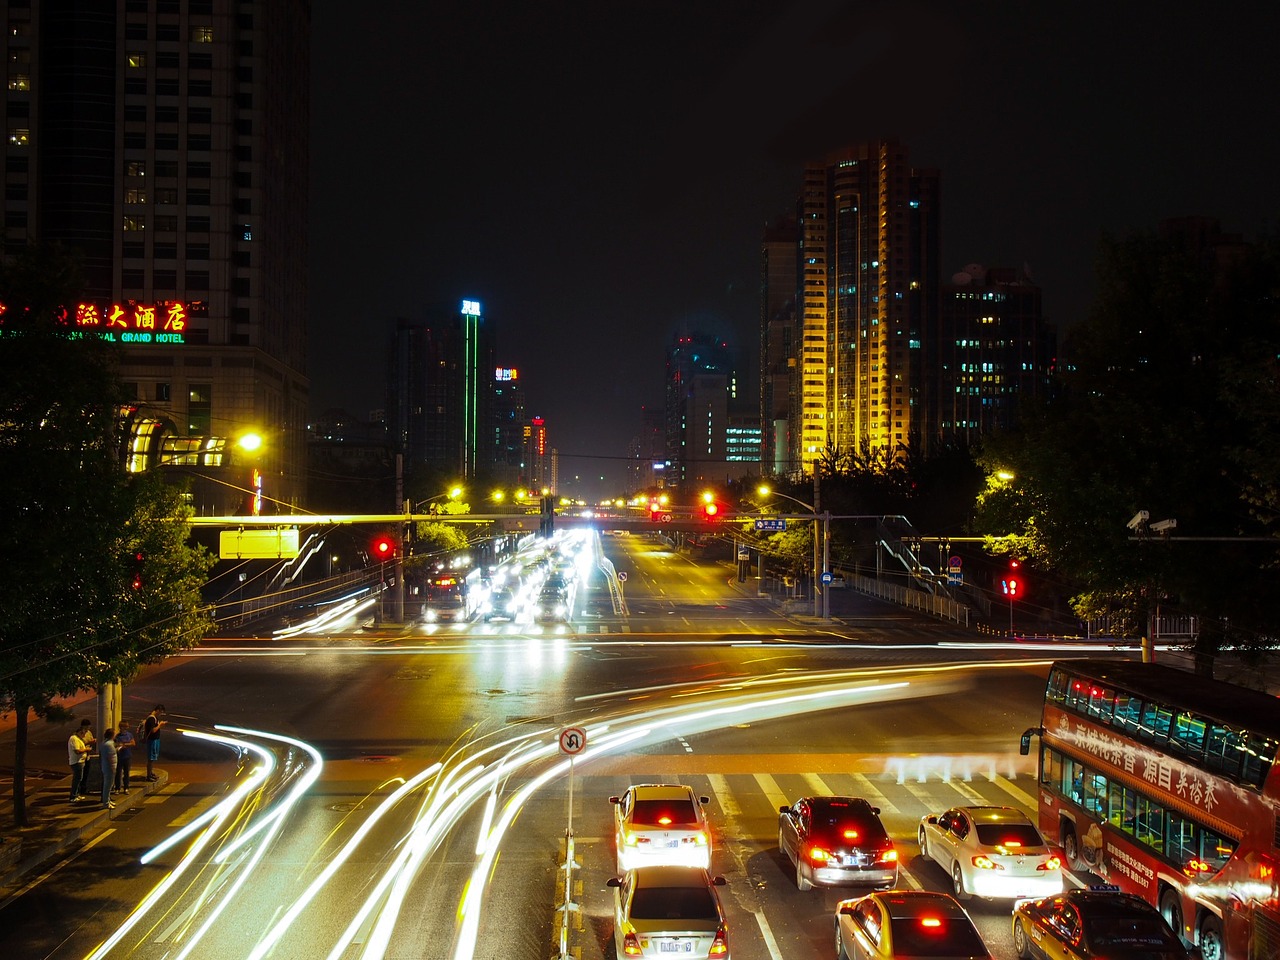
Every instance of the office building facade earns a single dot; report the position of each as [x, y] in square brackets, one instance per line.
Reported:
[167, 144]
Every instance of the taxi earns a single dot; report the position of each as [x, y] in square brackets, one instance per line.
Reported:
[1098, 923]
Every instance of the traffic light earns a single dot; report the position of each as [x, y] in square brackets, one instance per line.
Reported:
[135, 581]
[383, 547]
[710, 510]
[1012, 582]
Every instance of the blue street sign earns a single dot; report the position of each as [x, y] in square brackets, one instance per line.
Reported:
[826, 576]
[773, 525]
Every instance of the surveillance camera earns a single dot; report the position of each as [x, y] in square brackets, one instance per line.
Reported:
[1163, 526]
[1139, 518]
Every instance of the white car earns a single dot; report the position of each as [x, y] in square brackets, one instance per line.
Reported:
[661, 823]
[991, 852]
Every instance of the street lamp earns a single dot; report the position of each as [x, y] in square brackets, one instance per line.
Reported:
[824, 609]
[453, 494]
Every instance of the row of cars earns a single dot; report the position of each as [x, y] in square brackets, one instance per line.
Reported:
[667, 905]
[540, 587]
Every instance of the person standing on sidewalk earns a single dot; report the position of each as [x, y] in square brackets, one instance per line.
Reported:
[151, 737]
[77, 754]
[107, 757]
[124, 756]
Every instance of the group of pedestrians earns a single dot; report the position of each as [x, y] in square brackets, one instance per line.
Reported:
[115, 755]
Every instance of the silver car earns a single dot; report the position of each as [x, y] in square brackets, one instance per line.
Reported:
[669, 912]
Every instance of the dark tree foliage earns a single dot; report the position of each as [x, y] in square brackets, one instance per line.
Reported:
[1167, 403]
[72, 522]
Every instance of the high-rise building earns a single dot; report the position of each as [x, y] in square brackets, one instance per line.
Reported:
[508, 426]
[700, 383]
[869, 246]
[779, 263]
[440, 403]
[167, 143]
[994, 351]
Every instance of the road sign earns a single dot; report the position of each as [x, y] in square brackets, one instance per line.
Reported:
[744, 553]
[954, 575]
[277, 544]
[622, 576]
[771, 525]
[573, 740]
[826, 576]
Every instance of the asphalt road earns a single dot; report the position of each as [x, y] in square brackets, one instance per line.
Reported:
[698, 681]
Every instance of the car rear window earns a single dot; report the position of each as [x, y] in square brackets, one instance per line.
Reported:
[1009, 835]
[934, 937]
[673, 903]
[656, 813]
[1142, 932]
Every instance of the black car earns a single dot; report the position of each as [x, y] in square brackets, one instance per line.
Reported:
[837, 841]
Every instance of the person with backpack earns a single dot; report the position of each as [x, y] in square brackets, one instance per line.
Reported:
[125, 741]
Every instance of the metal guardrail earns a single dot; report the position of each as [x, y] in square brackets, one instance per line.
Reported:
[568, 907]
[942, 607]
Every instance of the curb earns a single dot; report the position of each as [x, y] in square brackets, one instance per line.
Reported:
[20, 855]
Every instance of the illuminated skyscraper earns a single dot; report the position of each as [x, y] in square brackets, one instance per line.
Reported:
[868, 225]
[167, 143]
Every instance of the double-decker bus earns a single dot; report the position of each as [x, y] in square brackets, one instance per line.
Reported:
[1166, 784]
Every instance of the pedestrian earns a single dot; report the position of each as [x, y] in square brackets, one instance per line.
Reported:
[107, 758]
[86, 734]
[151, 737]
[77, 754]
[124, 756]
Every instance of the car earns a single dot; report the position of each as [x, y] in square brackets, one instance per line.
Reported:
[502, 604]
[661, 823]
[906, 923]
[837, 841]
[551, 604]
[992, 852]
[668, 911]
[1098, 921]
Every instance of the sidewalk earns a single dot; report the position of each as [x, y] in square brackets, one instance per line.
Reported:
[55, 824]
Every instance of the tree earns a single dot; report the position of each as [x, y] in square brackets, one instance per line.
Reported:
[72, 522]
[1168, 403]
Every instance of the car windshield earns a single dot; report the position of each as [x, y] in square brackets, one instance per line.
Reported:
[935, 937]
[673, 903]
[1008, 835]
[661, 813]
[1143, 932]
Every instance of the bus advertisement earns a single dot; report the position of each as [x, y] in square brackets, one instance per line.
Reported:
[1165, 783]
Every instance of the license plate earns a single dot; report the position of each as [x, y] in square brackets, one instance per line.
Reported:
[675, 946]
[855, 860]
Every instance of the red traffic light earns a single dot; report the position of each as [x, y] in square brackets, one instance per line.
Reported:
[136, 582]
[1012, 587]
[710, 510]
[384, 548]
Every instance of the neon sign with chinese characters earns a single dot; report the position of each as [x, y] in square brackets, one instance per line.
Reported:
[471, 308]
[165, 321]
[503, 374]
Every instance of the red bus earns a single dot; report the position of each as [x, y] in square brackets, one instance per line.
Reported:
[1166, 784]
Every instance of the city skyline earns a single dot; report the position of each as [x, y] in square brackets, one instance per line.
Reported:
[602, 185]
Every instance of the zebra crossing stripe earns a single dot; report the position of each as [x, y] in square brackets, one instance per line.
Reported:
[1021, 796]
[771, 790]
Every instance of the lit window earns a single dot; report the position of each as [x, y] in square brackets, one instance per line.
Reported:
[136, 60]
[19, 137]
[134, 223]
[135, 168]
[202, 34]
[135, 196]
[20, 81]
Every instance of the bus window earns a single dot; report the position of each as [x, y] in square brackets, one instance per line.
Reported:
[1187, 733]
[1182, 839]
[1056, 691]
[1051, 769]
[1101, 703]
[1128, 712]
[1257, 759]
[1115, 806]
[1094, 791]
[1222, 749]
[1156, 719]
[1215, 849]
[1148, 825]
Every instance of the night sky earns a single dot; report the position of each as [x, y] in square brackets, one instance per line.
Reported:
[598, 174]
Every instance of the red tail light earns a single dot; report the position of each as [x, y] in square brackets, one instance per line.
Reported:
[631, 945]
[720, 946]
[818, 855]
[888, 856]
[1053, 863]
[986, 863]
